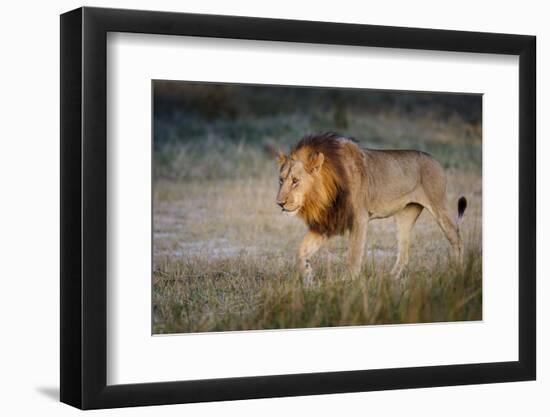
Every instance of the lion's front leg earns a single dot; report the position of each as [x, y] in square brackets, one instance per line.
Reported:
[357, 240]
[311, 244]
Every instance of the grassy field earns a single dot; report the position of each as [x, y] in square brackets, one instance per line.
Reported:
[225, 256]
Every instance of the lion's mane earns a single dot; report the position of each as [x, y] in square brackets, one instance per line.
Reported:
[326, 208]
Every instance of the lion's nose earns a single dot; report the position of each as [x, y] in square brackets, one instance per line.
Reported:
[281, 204]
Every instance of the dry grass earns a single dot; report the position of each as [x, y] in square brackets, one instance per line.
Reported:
[224, 259]
[225, 256]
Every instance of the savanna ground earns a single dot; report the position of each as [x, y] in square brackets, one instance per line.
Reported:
[225, 255]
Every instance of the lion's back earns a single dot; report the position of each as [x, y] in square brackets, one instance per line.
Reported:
[397, 172]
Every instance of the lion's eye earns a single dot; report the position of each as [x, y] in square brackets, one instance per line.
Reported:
[294, 181]
[280, 181]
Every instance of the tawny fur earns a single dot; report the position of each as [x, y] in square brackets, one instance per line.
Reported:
[336, 187]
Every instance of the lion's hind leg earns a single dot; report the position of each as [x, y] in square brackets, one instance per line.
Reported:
[404, 222]
[451, 232]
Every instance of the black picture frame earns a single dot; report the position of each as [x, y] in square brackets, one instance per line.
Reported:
[84, 207]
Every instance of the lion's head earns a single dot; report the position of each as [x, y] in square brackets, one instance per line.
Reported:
[313, 182]
[298, 175]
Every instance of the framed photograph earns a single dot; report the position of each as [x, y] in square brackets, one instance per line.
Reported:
[257, 208]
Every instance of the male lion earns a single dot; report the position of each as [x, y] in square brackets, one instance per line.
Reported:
[335, 186]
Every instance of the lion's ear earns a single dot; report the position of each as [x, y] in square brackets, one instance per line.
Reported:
[316, 162]
[281, 158]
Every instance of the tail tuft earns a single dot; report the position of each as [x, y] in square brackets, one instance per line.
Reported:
[462, 204]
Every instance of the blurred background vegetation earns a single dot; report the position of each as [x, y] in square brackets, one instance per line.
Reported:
[204, 130]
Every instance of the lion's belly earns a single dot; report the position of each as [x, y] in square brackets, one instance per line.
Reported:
[390, 206]
[385, 212]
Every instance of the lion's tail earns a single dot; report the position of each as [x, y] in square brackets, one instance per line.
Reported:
[462, 204]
